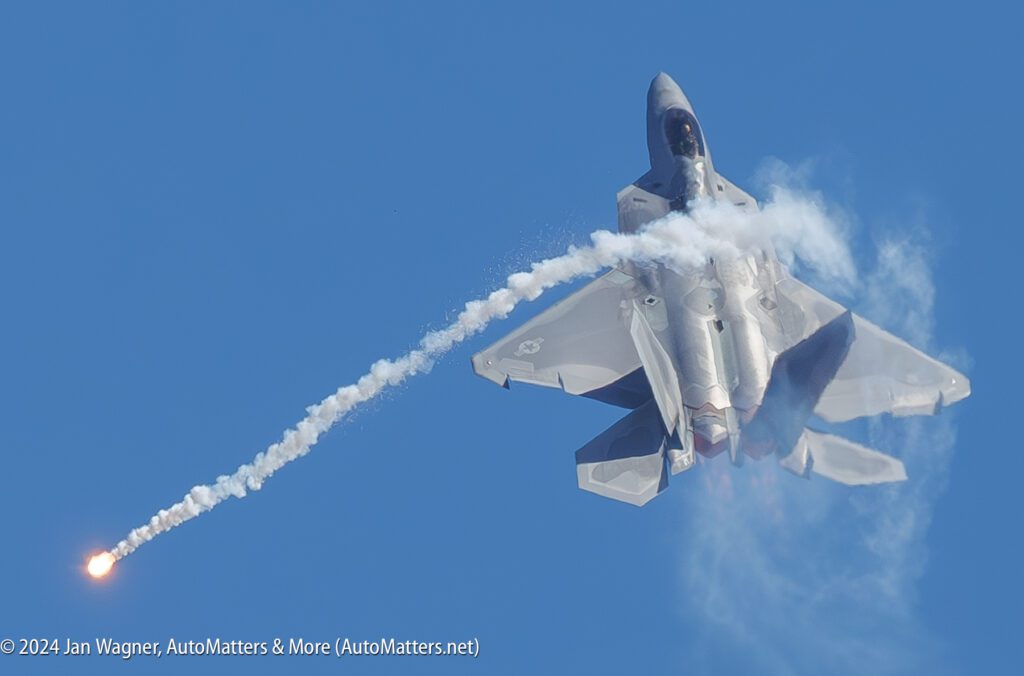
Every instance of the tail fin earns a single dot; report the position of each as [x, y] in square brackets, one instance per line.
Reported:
[841, 460]
[628, 461]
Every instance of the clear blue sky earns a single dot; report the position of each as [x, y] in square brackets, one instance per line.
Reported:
[213, 214]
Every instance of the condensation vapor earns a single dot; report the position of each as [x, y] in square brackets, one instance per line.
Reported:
[784, 575]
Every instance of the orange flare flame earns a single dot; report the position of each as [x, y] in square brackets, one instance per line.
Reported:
[101, 564]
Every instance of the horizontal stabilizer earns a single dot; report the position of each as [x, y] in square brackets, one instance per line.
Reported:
[841, 460]
[627, 461]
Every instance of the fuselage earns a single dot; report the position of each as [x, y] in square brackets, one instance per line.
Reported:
[715, 341]
[707, 315]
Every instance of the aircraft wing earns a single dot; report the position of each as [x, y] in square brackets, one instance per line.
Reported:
[883, 374]
[880, 374]
[581, 344]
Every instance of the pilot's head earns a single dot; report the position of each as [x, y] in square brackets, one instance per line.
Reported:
[682, 135]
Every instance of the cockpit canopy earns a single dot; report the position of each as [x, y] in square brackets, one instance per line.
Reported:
[683, 134]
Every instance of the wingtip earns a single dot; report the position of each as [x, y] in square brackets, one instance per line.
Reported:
[961, 388]
[957, 388]
[482, 367]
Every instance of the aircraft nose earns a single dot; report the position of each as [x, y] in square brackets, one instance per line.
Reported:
[664, 93]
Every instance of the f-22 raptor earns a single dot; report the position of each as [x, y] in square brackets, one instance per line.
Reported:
[737, 356]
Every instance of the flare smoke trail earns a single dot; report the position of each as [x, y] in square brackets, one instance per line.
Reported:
[795, 227]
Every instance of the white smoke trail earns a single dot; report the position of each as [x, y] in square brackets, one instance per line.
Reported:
[796, 228]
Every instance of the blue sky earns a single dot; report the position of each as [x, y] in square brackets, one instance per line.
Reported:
[212, 216]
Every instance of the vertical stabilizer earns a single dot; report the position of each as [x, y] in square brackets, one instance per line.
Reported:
[659, 368]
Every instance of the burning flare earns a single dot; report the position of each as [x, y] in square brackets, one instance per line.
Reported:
[101, 564]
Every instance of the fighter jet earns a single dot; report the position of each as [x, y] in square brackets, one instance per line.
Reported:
[737, 356]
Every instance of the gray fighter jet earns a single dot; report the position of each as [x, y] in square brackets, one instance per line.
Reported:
[736, 356]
